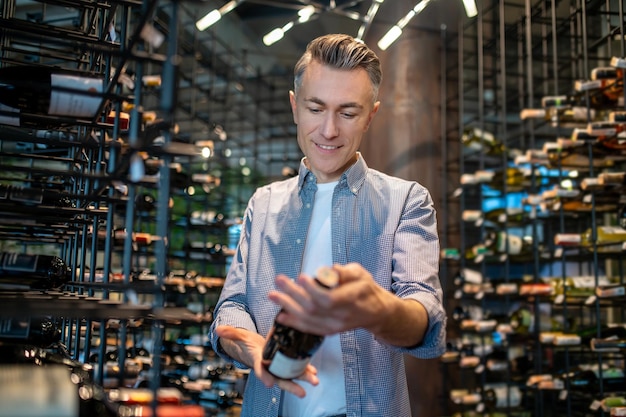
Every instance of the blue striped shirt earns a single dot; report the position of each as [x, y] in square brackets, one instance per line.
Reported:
[386, 224]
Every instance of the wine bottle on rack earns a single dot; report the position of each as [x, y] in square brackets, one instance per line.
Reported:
[517, 179]
[609, 134]
[18, 270]
[608, 238]
[589, 378]
[288, 351]
[502, 245]
[574, 116]
[609, 87]
[46, 91]
[502, 396]
[10, 194]
[478, 140]
[38, 331]
[502, 215]
[612, 178]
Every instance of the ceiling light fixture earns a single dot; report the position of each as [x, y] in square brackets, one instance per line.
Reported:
[216, 14]
[304, 15]
[470, 8]
[396, 30]
[369, 17]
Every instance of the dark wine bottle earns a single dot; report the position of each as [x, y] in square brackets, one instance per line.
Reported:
[288, 351]
[502, 396]
[37, 331]
[611, 344]
[19, 270]
[47, 91]
[34, 196]
[590, 380]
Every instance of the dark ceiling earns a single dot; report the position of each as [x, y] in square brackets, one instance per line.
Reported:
[229, 78]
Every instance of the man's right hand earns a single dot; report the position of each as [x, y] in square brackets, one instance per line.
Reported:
[247, 347]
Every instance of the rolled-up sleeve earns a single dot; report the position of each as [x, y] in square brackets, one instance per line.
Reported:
[231, 308]
[415, 275]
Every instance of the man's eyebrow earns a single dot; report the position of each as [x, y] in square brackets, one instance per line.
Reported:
[321, 102]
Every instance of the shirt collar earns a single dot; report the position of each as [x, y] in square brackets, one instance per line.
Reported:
[353, 178]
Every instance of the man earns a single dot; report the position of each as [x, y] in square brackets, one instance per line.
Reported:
[378, 232]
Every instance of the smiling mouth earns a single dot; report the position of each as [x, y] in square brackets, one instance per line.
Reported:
[327, 147]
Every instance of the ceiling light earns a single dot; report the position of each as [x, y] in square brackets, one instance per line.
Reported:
[216, 14]
[369, 17]
[390, 37]
[306, 13]
[273, 37]
[208, 20]
[470, 8]
[396, 30]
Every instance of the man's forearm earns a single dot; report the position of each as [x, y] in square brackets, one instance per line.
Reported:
[403, 324]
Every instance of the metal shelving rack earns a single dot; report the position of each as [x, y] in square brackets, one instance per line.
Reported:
[509, 57]
[206, 88]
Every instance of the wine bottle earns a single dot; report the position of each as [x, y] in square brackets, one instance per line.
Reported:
[288, 351]
[478, 140]
[37, 331]
[609, 134]
[579, 285]
[47, 91]
[524, 321]
[465, 397]
[609, 86]
[18, 270]
[609, 344]
[575, 116]
[608, 403]
[502, 396]
[589, 378]
[37, 391]
[608, 238]
[501, 245]
[618, 411]
[612, 178]
[516, 179]
[11, 194]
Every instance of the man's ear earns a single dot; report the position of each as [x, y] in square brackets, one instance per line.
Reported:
[292, 101]
[370, 117]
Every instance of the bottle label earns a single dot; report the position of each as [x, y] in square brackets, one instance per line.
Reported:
[37, 391]
[26, 195]
[565, 239]
[514, 243]
[287, 368]
[19, 262]
[66, 98]
[9, 115]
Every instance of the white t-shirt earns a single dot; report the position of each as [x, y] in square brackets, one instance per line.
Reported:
[329, 396]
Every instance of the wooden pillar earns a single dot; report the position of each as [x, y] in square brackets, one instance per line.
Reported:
[404, 141]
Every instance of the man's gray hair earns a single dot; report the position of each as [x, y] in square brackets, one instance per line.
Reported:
[341, 52]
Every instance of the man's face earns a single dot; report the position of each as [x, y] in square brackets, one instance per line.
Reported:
[333, 110]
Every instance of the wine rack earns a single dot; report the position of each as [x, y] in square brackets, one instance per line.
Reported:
[141, 203]
[540, 258]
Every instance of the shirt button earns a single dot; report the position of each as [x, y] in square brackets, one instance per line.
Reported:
[354, 190]
[298, 241]
[274, 400]
[308, 205]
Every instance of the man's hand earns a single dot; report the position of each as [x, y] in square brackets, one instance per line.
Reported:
[247, 347]
[358, 302]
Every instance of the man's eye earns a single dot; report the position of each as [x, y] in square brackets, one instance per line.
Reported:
[313, 110]
[348, 115]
